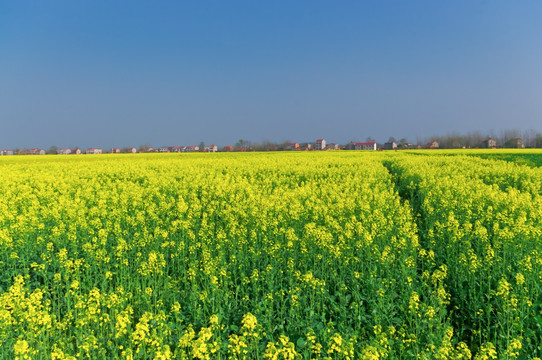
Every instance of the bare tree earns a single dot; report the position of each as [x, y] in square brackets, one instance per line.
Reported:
[145, 147]
[529, 138]
[509, 134]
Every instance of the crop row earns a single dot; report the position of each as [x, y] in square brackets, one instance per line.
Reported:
[483, 221]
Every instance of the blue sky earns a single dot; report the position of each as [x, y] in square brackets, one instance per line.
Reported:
[124, 73]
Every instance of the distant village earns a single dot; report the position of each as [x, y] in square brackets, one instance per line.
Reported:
[318, 145]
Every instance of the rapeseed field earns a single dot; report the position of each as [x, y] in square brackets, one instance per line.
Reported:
[317, 255]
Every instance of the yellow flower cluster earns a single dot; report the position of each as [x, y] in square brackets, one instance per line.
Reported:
[293, 255]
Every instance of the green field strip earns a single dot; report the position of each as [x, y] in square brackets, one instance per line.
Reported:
[532, 160]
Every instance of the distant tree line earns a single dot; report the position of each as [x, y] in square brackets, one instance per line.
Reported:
[506, 138]
[475, 139]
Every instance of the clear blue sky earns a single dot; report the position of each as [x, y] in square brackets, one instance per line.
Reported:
[123, 73]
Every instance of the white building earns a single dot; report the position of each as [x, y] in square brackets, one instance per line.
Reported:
[211, 148]
[63, 151]
[94, 151]
[363, 146]
[390, 145]
[192, 148]
[320, 144]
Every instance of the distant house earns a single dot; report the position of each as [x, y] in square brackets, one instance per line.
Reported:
[211, 148]
[332, 146]
[6, 152]
[515, 143]
[191, 148]
[320, 144]
[132, 150]
[432, 145]
[489, 143]
[115, 150]
[390, 145]
[75, 151]
[305, 146]
[93, 151]
[163, 149]
[291, 146]
[32, 152]
[176, 149]
[63, 151]
[361, 146]
[36, 152]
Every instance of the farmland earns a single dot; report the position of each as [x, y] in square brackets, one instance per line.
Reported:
[316, 255]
